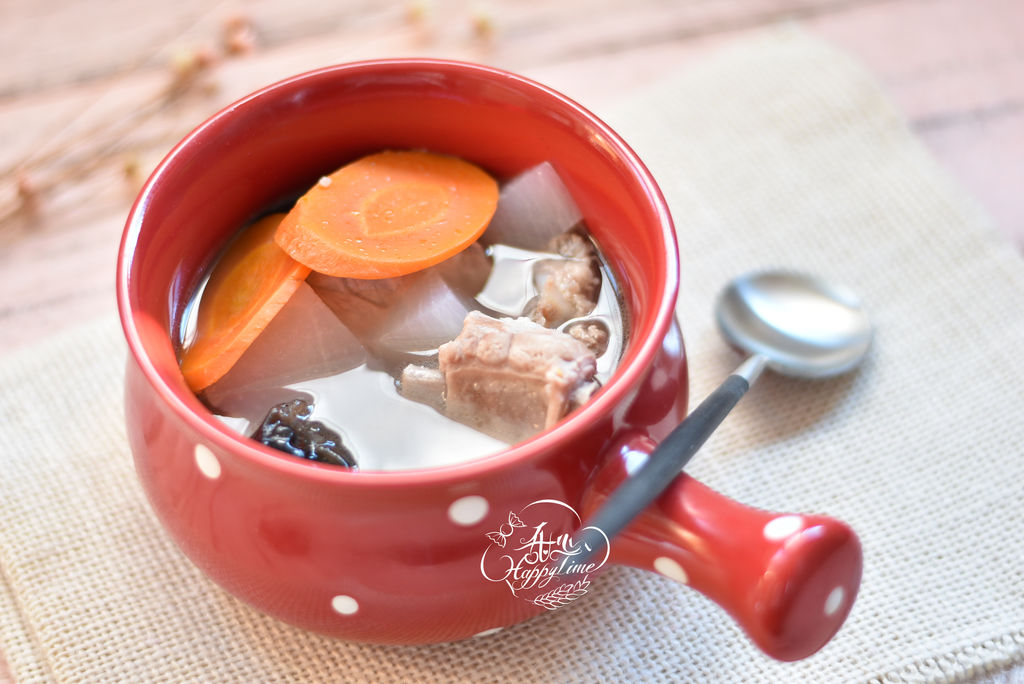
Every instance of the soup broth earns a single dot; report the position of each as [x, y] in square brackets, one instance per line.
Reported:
[440, 366]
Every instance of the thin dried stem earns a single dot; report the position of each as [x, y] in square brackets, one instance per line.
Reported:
[57, 159]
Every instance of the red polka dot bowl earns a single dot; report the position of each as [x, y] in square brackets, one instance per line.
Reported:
[418, 556]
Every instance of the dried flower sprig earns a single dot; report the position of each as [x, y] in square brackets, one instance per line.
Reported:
[111, 140]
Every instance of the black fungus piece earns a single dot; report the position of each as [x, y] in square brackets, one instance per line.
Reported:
[288, 428]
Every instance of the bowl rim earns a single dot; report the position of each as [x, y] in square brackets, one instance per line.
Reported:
[214, 433]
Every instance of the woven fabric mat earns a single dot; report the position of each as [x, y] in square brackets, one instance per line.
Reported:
[779, 152]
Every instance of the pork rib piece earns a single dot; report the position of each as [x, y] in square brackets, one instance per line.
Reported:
[511, 378]
[566, 288]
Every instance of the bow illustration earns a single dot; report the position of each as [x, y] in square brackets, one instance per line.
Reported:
[506, 530]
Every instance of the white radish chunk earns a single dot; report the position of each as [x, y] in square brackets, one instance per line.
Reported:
[242, 426]
[533, 207]
[363, 306]
[467, 271]
[427, 316]
[304, 340]
[396, 313]
[244, 409]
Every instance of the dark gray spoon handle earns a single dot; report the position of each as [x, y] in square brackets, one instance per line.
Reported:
[666, 461]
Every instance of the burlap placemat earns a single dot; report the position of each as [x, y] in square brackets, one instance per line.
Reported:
[779, 152]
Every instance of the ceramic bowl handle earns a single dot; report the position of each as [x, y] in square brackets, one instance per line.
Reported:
[789, 580]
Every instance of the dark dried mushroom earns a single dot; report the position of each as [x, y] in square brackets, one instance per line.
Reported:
[288, 427]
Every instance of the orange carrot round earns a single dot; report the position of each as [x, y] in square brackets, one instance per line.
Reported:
[389, 214]
[249, 285]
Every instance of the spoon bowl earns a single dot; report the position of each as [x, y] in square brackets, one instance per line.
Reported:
[803, 326]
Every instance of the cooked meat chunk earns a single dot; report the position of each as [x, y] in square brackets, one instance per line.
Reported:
[512, 378]
[422, 384]
[592, 333]
[566, 288]
[572, 245]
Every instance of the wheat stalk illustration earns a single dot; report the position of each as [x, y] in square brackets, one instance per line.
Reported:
[562, 595]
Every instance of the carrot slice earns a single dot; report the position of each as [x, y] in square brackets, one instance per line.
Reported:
[389, 214]
[249, 285]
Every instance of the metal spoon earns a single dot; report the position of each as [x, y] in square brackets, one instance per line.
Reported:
[795, 325]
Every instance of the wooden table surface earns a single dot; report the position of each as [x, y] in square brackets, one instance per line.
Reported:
[92, 94]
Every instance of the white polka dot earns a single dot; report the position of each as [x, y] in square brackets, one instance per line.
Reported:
[346, 605]
[669, 568]
[207, 463]
[779, 528]
[834, 601]
[469, 510]
[487, 632]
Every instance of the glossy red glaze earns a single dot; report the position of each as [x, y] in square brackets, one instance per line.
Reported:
[377, 556]
[789, 580]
